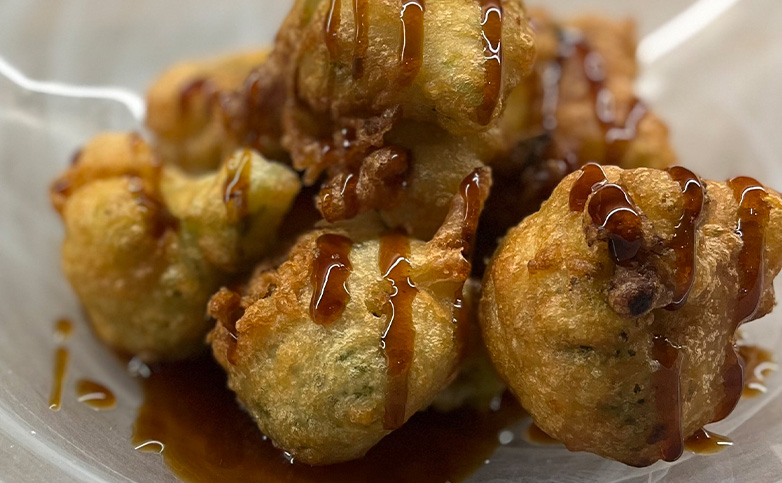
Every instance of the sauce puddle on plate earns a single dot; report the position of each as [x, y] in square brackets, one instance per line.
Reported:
[193, 420]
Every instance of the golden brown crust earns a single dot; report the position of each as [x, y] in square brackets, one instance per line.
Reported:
[557, 314]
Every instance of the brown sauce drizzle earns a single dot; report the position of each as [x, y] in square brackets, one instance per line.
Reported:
[611, 210]
[236, 188]
[398, 341]
[160, 221]
[226, 307]
[684, 236]
[331, 28]
[470, 192]
[361, 16]
[411, 50]
[491, 25]
[95, 395]
[753, 215]
[592, 176]
[535, 435]
[706, 442]
[668, 399]
[211, 438]
[758, 363]
[330, 272]
[61, 357]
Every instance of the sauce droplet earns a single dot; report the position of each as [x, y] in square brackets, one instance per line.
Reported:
[592, 176]
[398, 340]
[668, 401]
[753, 215]
[535, 435]
[95, 395]
[331, 28]
[63, 329]
[411, 51]
[706, 442]
[491, 30]
[330, 272]
[237, 186]
[612, 211]
[684, 236]
[61, 357]
[758, 363]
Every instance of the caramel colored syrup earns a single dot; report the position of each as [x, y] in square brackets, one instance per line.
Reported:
[361, 18]
[411, 51]
[160, 221]
[753, 216]
[210, 438]
[684, 241]
[592, 177]
[236, 188]
[398, 341]
[94, 395]
[706, 442]
[63, 329]
[535, 435]
[330, 272]
[331, 28]
[611, 210]
[668, 399]
[758, 363]
[347, 198]
[491, 25]
[470, 192]
[61, 358]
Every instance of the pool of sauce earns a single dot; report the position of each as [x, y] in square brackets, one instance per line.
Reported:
[758, 364]
[210, 438]
[706, 442]
[330, 272]
[398, 340]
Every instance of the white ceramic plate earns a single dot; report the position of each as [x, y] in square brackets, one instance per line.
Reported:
[713, 72]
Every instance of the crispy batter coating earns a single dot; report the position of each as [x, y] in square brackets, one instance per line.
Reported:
[323, 385]
[360, 74]
[146, 246]
[594, 348]
[185, 114]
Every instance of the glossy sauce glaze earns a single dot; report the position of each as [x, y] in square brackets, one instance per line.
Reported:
[668, 399]
[706, 442]
[753, 215]
[212, 439]
[330, 271]
[331, 28]
[411, 50]
[236, 188]
[226, 307]
[684, 241]
[470, 192]
[612, 211]
[491, 30]
[159, 220]
[398, 340]
[361, 20]
[592, 176]
[95, 395]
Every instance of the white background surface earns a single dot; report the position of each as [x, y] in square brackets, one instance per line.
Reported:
[719, 92]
